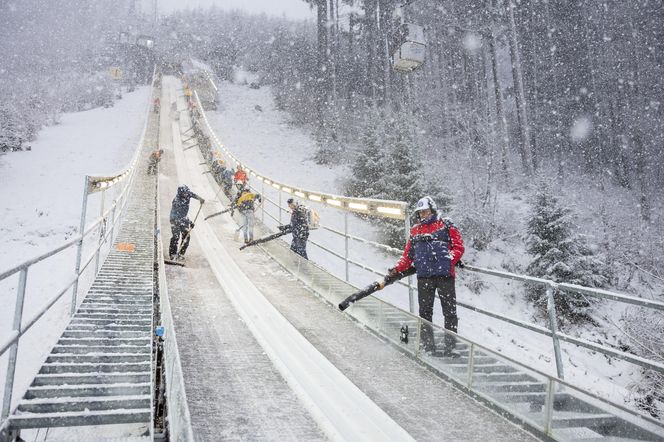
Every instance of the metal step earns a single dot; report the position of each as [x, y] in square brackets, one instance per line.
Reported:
[71, 419]
[102, 334]
[501, 377]
[90, 367]
[101, 341]
[113, 316]
[84, 404]
[97, 378]
[516, 387]
[72, 358]
[479, 368]
[69, 391]
[87, 349]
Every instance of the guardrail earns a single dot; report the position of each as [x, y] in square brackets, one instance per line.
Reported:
[552, 288]
[102, 228]
[548, 405]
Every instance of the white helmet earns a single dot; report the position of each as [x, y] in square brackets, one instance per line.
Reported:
[426, 203]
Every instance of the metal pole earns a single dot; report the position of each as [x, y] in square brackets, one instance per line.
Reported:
[102, 228]
[13, 351]
[471, 365]
[548, 407]
[553, 325]
[113, 223]
[79, 250]
[263, 204]
[279, 208]
[419, 333]
[346, 244]
[411, 288]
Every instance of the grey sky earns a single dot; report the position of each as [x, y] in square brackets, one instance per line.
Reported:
[297, 9]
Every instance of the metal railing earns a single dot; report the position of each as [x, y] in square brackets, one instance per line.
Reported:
[552, 288]
[102, 228]
[179, 417]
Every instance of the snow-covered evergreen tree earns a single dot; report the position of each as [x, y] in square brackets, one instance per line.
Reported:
[11, 136]
[402, 177]
[369, 164]
[561, 255]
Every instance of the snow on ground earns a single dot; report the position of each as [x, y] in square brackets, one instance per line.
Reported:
[266, 141]
[40, 208]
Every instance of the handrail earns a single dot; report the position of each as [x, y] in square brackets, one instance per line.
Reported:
[599, 293]
[55, 251]
[367, 206]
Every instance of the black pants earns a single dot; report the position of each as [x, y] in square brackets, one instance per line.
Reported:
[426, 293]
[179, 229]
[299, 245]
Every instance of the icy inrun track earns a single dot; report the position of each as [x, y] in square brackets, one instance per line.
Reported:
[265, 359]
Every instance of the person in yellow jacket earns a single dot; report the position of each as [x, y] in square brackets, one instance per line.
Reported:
[246, 202]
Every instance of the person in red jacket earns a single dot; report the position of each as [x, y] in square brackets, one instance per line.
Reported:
[434, 248]
[240, 175]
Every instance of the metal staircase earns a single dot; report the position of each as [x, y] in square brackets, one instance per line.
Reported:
[100, 371]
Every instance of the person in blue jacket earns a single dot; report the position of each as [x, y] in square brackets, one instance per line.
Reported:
[180, 224]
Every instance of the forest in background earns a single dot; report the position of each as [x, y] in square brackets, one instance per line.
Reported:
[56, 58]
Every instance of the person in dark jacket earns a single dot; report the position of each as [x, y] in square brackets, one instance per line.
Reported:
[434, 248]
[180, 224]
[218, 169]
[227, 181]
[299, 228]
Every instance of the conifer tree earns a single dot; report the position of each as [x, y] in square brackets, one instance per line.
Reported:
[369, 163]
[10, 130]
[560, 255]
[402, 178]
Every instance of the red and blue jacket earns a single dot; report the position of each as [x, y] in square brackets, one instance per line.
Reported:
[434, 248]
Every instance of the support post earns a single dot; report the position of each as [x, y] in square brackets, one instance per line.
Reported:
[279, 208]
[411, 288]
[263, 203]
[113, 223]
[346, 244]
[102, 232]
[13, 351]
[79, 249]
[553, 326]
[471, 365]
[548, 406]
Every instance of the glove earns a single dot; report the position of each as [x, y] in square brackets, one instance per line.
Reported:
[232, 212]
[283, 228]
[391, 271]
[202, 201]
[191, 226]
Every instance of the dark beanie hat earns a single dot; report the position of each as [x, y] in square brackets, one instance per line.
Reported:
[290, 201]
